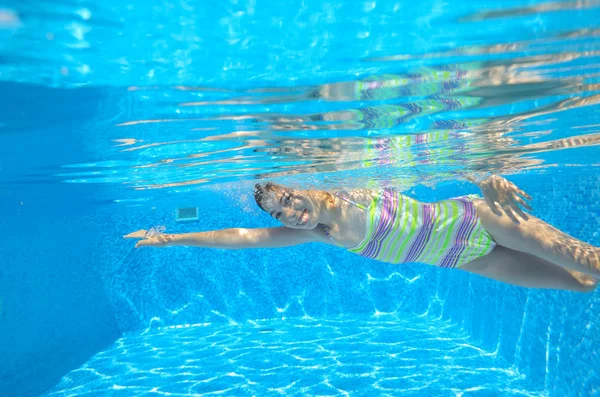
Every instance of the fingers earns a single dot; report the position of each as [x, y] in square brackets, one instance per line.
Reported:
[138, 234]
[520, 212]
[522, 193]
[519, 191]
[523, 203]
[519, 200]
[516, 189]
[508, 212]
[492, 206]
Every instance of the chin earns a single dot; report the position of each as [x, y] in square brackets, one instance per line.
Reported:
[309, 226]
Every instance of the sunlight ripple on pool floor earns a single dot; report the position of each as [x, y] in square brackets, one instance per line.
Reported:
[384, 355]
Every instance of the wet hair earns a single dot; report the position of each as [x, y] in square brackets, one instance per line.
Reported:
[261, 192]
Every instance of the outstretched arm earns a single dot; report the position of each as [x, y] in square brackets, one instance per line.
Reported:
[236, 238]
[500, 191]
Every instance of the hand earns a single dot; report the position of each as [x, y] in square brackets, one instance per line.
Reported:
[160, 240]
[497, 190]
[139, 234]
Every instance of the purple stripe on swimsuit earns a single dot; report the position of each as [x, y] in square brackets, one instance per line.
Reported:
[424, 234]
[467, 225]
[386, 216]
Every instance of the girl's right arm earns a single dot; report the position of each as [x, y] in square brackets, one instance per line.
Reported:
[236, 238]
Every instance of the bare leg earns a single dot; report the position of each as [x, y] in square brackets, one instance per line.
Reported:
[525, 270]
[540, 239]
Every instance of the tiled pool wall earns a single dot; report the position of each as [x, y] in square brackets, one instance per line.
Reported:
[54, 311]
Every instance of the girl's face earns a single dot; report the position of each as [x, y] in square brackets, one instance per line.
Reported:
[293, 208]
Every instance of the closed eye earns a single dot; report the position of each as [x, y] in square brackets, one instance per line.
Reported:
[276, 216]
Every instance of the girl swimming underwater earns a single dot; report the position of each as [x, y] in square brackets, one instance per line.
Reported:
[480, 236]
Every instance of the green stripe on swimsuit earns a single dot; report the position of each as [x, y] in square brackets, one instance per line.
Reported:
[446, 234]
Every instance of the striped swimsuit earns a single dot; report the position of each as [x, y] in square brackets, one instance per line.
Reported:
[400, 229]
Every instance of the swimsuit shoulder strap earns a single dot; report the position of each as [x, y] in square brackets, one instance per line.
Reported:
[354, 203]
[326, 231]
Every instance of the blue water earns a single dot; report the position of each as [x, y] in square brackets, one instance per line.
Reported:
[386, 355]
[115, 114]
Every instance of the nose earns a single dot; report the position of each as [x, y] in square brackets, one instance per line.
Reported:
[290, 214]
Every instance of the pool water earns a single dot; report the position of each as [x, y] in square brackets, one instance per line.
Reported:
[384, 355]
[116, 116]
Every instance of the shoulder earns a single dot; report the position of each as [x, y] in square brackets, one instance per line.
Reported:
[361, 196]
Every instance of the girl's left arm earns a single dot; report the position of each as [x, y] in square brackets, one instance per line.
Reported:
[502, 192]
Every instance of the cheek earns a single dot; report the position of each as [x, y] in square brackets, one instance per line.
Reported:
[283, 220]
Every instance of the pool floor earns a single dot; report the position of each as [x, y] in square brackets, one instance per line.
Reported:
[375, 356]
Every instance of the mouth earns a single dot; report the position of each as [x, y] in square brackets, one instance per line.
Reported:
[303, 219]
